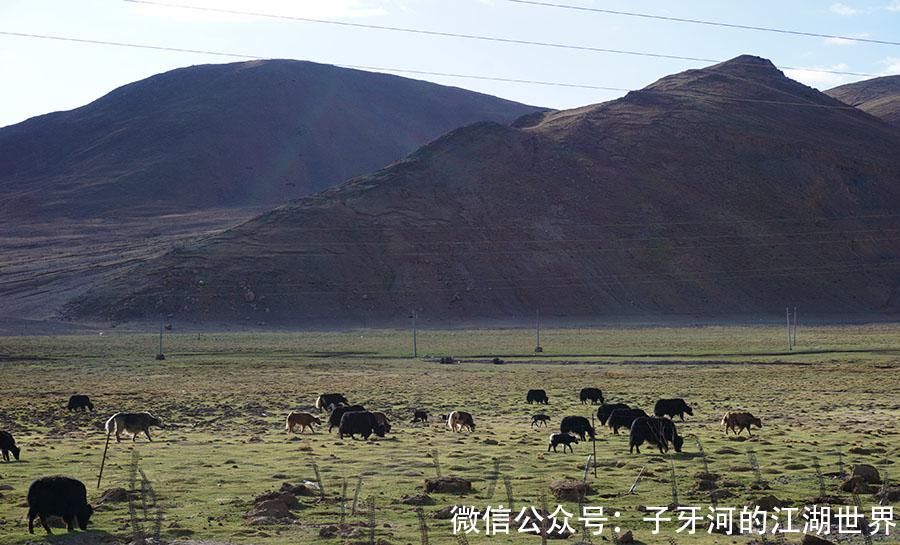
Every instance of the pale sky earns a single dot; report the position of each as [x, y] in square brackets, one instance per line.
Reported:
[41, 76]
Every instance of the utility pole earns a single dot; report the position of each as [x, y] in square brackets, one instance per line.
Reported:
[795, 327]
[414, 316]
[537, 325]
[790, 338]
[160, 355]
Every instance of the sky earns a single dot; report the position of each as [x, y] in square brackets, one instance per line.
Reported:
[41, 76]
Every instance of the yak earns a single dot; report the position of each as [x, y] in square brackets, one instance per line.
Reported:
[594, 395]
[7, 445]
[536, 396]
[623, 418]
[360, 422]
[672, 407]
[58, 496]
[578, 425]
[133, 423]
[80, 402]
[656, 431]
[563, 439]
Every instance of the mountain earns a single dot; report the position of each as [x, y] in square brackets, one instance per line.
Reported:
[245, 134]
[95, 191]
[725, 190]
[879, 96]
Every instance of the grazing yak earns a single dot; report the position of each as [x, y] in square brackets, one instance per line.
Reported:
[563, 439]
[594, 395]
[656, 431]
[80, 402]
[578, 425]
[383, 421]
[623, 418]
[457, 420]
[419, 416]
[334, 419]
[330, 401]
[672, 407]
[133, 423]
[740, 422]
[606, 409]
[304, 420]
[7, 445]
[61, 497]
[360, 423]
[537, 396]
[539, 420]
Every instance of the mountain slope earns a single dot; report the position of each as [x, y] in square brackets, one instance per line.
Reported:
[879, 97]
[726, 190]
[229, 135]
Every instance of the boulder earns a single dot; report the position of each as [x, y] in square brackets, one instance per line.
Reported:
[289, 500]
[858, 485]
[298, 489]
[448, 485]
[768, 503]
[444, 513]
[418, 499]
[890, 495]
[867, 472]
[114, 495]
[270, 508]
[569, 489]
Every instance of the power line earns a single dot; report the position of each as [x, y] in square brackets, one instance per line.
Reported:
[704, 22]
[692, 94]
[478, 37]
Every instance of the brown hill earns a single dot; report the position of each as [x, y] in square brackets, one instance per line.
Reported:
[244, 134]
[879, 96]
[94, 191]
[725, 190]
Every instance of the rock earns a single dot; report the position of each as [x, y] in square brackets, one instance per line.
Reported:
[809, 539]
[860, 450]
[114, 495]
[867, 472]
[289, 500]
[858, 485]
[418, 499]
[706, 485]
[702, 476]
[490, 441]
[626, 538]
[270, 508]
[298, 489]
[444, 513]
[328, 531]
[721, 494]
[768, 503]
[448, 485]
[890, 495]
[569, 489]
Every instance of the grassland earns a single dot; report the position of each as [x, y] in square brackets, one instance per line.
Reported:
[225, 397]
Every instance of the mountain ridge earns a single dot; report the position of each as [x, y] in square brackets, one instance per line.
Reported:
[655, 204]
[254, 133]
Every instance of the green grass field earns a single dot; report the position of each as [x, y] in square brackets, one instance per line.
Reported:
[226, 396]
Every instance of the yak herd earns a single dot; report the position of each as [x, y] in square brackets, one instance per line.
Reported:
[67, 498]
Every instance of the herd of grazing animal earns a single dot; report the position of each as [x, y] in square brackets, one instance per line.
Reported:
[67, 498]
[658, 430]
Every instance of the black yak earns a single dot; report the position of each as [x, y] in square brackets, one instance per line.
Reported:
[58, 496]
